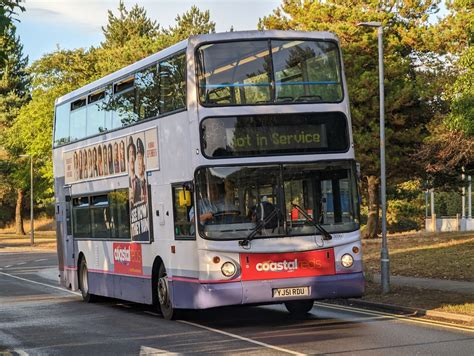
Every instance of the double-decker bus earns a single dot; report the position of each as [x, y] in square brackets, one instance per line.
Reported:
[219, 171]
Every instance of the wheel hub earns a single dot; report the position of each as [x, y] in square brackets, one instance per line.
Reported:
[163, 291]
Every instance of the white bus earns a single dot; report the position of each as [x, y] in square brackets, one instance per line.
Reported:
[219, 171]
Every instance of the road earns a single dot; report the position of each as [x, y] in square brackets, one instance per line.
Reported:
[39, 318]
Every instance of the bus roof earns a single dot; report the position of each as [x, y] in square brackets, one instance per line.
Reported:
[194, 40]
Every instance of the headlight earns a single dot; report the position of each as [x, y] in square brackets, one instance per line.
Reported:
[228, 269]
[347, 260]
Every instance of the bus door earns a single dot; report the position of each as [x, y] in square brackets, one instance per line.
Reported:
[65, 242]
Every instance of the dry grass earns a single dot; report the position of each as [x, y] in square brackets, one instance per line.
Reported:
[43, 241]
[441, 256]
[41, 224]
[443, 301]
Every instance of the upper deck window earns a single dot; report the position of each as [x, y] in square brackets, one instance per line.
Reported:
[155, 90]
[269, 71]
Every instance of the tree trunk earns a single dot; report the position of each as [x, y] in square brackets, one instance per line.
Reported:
[18, 213]
[373, 202]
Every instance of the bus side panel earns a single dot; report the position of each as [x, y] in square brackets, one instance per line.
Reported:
[106, 280]
[130, 288]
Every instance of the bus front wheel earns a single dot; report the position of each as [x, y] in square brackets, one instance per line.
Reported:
[299, 307]
[164, 298]
[84, 282]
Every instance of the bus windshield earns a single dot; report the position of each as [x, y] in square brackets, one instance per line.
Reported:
[269, 71]
[233, 200]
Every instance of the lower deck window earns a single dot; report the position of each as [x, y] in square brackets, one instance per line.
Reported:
[104, 216]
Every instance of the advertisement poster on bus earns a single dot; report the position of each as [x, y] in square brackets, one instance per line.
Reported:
[138, 187]
[131, 155]
[128, 258]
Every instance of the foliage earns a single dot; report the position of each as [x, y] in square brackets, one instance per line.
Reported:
[461, 93]
[406, 207]
[129, 25]
[8, 12]
[192, 22]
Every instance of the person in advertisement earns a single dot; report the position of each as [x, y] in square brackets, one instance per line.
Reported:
[106, 166]
[123, 167]
[100, 164]
[116, 158]
[142, 186]
[134, 189]
[110, 159]
[137, 191]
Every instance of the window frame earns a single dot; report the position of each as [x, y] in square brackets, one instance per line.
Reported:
[272, 71]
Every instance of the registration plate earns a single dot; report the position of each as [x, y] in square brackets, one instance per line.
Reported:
[291, 292]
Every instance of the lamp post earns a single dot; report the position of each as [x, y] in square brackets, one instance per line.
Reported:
[32, 222]
[384, 257]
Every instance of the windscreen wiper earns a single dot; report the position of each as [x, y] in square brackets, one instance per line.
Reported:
[326, 235]
[257, 228]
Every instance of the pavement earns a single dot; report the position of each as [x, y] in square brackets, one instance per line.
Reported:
[428, 283]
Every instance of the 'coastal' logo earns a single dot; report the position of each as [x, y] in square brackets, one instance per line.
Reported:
[277, 266]
[122, 255]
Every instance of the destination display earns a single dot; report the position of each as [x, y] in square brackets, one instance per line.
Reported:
[274, 134]
[277, 138]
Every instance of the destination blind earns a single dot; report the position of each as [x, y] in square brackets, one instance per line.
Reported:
[274, 134]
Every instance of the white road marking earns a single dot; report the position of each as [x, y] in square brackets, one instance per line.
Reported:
[41, 259]
[21, 263]
[399, 317]
[151, 313]
[281, 349]
[7, 266]
[32, 268]
[42, 284]
[145, 350]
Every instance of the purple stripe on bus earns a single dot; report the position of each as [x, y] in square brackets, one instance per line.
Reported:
[202, 296]
[121, 287]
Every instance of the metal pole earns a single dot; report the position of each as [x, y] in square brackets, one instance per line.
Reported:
[384, 257]
[469, 197]
[32, 223]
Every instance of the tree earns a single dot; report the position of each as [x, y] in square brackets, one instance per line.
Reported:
[405, 38]
[128, 25]
[53, 75]
[448, 151]
[13, 95]
[191, 23]
[8, 12]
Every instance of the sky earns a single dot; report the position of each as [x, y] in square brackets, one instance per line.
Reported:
[69, 24]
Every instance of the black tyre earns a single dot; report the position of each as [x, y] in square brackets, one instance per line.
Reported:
[84, 283]
[299, 307]
[163, 295]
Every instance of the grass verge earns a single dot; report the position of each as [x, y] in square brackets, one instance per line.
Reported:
[441, 256]
[449, 302]
[43, 241]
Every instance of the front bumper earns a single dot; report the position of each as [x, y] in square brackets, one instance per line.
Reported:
[195, 295]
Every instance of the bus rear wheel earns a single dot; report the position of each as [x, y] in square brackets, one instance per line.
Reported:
[299, 307]
[84, 283]
[163, 293]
